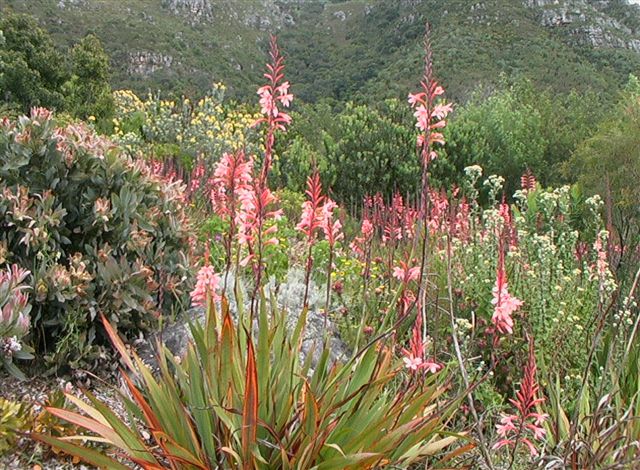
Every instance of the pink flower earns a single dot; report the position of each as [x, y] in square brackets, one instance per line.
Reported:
[539, 418]
[331, 228]
[284, 96]
[414, 357]
[431, 366]
[504, 303]
[367, 228]
[507, 425]
[207, 282]
[406, 274]
[602, 264]
[412, 363]
[538, 431]
[358, 245]
[526, 424]
[267, 103]
[441, 111]
[532, 448]
[416, 98]
[422, 115]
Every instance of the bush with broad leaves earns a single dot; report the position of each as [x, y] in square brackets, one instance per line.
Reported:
[98, 232]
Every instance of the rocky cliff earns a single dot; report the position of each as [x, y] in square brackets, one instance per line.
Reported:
[598, 24]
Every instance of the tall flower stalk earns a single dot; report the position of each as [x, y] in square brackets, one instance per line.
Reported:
[430, 120]
[231, 178]
[525, 425]
[332, 228]
[257, 200]
[310, 223]
[317, 216]
[274, 96]
[504, 303]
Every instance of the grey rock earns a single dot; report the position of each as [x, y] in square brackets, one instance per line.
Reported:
[62, 4]
[147, 62]
[590, 22]
[290, 294]
[195, 11]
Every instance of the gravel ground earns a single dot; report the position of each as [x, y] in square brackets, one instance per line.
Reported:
[29, 454]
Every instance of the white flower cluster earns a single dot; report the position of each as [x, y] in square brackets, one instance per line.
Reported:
[473, 173]
[10, 346]
[495, 184]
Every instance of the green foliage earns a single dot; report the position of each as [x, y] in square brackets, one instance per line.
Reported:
[349, 50]
[14, 419]
[290, 203]
[609, 164]
[88, 91]
[361, 150]
[97, 232]
[32, 71]
[515, 129]
[604, 417]
[243, 401]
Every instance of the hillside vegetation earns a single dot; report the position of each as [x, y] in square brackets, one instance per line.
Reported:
[425, 231]
[353, 48]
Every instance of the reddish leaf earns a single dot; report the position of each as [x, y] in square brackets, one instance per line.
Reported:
[250, 407]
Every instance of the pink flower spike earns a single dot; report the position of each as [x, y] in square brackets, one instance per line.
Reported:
[428, 113]
[206, 285]
[505, 305]
[525, 426]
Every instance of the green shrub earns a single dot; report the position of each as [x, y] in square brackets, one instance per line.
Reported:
[14, 315]
[358, 151]
[14, 419]
[99, 234]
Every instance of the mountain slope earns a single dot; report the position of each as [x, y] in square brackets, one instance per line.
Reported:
[344, 49]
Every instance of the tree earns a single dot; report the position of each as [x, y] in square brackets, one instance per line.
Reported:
[88, 91]
[360, 150]
[500, 133]
[609, 164]
[32, 70]
[518, 128]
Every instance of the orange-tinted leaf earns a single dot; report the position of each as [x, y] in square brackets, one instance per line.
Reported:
[152, 419]
[250, 407]
[87, 455]
[90, 425]
[117, 343]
